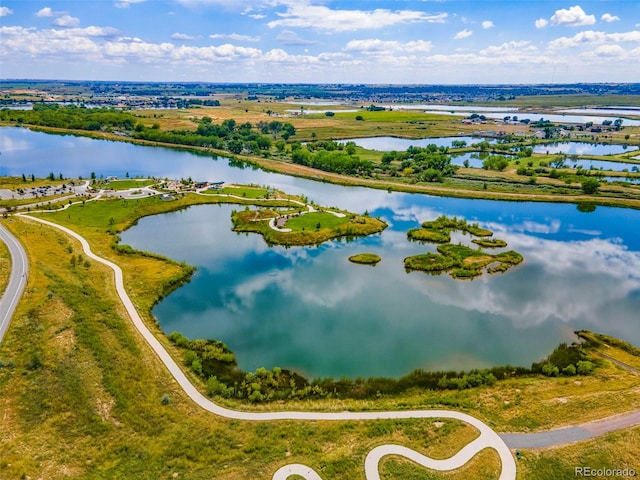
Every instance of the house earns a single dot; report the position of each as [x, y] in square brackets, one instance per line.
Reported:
[111, 178]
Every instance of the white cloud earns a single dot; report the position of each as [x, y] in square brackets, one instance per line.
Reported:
[288, 37]
[235, 36]
[377, 46]
[67, 21]
[541, 23]
[257, 16]
[303, 15]
[509, 47]
[590, 37]
[182, 36]
[573, 17]
[607, 17]
[610, 51]
[126, 3]
[4, 11]
[463, 34]
[243, 6]
[487, 24]
[44, 12]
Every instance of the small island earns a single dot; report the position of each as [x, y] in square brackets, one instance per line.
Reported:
[460, 261]
[365, 259]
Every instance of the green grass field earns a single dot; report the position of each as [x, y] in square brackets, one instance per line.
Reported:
[240, 191]
[125, 184]
[315, 221]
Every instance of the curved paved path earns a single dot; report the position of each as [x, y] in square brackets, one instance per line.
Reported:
[487, 439]
[561, 436]
[17, 279]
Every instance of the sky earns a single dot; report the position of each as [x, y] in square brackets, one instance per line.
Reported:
[322, 41]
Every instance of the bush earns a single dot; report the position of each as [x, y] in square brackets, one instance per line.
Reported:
[590, 185]
[585, 367]
[550, 370]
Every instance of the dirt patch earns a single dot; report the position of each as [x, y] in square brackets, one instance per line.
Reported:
[103, 408]
[65, 341]
[477, 260]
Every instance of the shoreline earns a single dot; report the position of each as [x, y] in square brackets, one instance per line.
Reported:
[308, 173]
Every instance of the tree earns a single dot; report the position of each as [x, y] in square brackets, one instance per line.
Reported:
[590, 185]
[33, 177]
[24, 178]
[51, 176]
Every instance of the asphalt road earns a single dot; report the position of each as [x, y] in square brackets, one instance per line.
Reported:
[17, 280]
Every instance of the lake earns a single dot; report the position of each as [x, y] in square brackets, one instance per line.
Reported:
[500, 113]
[309, 309]
[387, 144]
[582, 148]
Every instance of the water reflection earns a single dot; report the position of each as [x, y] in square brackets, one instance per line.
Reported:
[582, 148]
[311, 309]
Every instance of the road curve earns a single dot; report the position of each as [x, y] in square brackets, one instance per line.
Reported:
[487, 439]
[17, 279]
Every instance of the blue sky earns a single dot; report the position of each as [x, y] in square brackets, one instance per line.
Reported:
[322, 41]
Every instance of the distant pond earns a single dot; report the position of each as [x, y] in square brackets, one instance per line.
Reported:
[387, 144]
[582, 148]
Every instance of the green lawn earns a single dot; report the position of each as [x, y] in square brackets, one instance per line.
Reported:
[240, 191]
[395, 116]
[129, 183]
[310, 221]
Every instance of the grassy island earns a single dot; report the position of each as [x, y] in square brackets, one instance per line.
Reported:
[365, 259]
[304, 227]
[460, 261]
[489, 242]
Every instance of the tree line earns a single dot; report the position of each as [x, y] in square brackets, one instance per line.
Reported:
[216, 365]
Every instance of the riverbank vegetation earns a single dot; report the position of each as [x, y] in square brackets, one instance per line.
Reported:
[461, 261]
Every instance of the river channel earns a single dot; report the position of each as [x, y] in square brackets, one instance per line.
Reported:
[309, 309]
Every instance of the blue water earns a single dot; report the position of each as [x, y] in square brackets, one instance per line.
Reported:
[310, 309]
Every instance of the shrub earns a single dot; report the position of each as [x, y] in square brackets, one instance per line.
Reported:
[590, 185]
[585, 367]
[550, 370]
